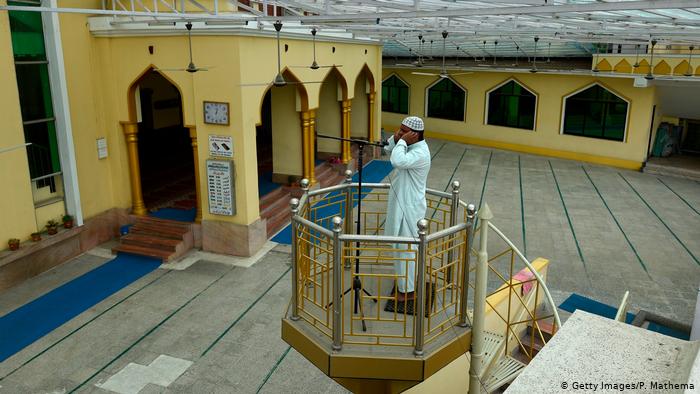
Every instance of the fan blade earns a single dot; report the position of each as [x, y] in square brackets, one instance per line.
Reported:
[302, 83]
[452, 75]
[420, 73]
[169, 69]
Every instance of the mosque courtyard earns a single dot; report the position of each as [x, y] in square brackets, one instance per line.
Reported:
[217, 318]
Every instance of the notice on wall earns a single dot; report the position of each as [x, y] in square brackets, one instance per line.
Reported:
[220, 184]
[101, 148]
[220, 145]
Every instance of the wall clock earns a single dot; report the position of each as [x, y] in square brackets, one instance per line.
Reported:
[216, 113]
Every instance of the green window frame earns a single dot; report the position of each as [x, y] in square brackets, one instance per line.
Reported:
[446, 100]
[33, 86]
[512, 105]
[595, 112]
[394, 95]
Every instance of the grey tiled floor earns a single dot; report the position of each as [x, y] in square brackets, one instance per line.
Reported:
[604, 230]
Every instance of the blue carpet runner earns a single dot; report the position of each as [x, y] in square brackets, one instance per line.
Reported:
[576, 301]
[180, 215]
[373, 172]
[28, 323]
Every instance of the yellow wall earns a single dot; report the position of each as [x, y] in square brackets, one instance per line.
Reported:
[546, 139]
[286, 133]
[360, 110]
[99, 71]
[667, 64]
[328, 119]
[16, 205]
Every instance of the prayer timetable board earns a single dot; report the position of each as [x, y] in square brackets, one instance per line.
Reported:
[220, 179]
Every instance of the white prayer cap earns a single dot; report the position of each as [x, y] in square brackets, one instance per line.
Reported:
[414, 123]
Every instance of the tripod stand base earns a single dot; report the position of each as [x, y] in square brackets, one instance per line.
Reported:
[408, 306]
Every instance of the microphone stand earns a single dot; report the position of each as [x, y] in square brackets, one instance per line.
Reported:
[357, 283]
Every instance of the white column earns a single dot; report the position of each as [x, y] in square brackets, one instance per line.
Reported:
[61, 108]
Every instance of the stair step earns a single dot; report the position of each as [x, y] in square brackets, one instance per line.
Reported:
[506, 370]
[152, 242]
[271, 197]
[170, 231]
[492, 343]
[282, 203]
[162, 223]
[143, 251]
[548, 329]
[532, 347]
[155, 233]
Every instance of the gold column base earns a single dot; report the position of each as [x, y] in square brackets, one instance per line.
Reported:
[131, 130]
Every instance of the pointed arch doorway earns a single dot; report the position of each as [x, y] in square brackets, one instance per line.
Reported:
[162, 151]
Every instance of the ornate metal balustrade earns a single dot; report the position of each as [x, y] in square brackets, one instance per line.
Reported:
[327, 251]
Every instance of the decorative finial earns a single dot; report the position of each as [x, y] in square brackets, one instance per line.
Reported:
[455, 186]
[485, 212]
[422, 225]
[348, 176]
[471, 210]
[337, 223]
[294, 203]
[304, 184]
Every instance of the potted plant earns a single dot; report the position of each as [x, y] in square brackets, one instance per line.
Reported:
[36, 236]
[67, 221]
[52, 227]
[13, 243]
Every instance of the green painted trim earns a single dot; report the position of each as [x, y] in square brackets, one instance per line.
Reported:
[615, 219]
[274, 368]
[522, 206]
[568, 217]
[660, 220]
[149, 332]
[244, 313]
[483, 188]
[679, 196]
[83, 325]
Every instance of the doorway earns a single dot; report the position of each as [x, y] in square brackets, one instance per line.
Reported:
[164, 148]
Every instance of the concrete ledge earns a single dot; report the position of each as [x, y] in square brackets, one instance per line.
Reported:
[233, 239]
[33, 258]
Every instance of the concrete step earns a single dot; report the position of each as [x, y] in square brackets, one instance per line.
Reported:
[153, 242]
[274, 206]
[272, 197]
[548, 329]
[163, 255]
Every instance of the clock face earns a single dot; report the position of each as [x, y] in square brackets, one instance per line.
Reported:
[216, 113]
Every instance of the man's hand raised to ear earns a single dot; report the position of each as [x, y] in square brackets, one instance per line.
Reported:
[411, 137]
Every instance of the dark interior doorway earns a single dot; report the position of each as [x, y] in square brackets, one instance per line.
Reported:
[263, 139]
[165, 148]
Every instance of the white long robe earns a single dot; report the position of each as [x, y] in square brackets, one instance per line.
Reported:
[406, 202]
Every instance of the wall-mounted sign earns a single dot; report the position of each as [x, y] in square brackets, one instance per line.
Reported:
[101, 148]
[220, 184]
[220, 145]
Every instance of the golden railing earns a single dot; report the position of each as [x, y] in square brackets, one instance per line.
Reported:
[327, 252]
[321, 242]
[528, 304]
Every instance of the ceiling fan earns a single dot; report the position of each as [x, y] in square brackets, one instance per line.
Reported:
[443, 72]
[419, 61]
[191, 68]
[314, 65]
[279, 80]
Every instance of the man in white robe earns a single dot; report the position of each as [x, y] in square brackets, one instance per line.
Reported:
[410, 157]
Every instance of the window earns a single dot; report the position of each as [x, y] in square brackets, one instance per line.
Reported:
[446, 100]
[394, 95]
[31, 66]
[595, 112]
[511, 105]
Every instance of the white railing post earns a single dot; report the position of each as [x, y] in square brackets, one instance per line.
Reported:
[481, 278]
[419, 301]
[337, 282]
[294, 204]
